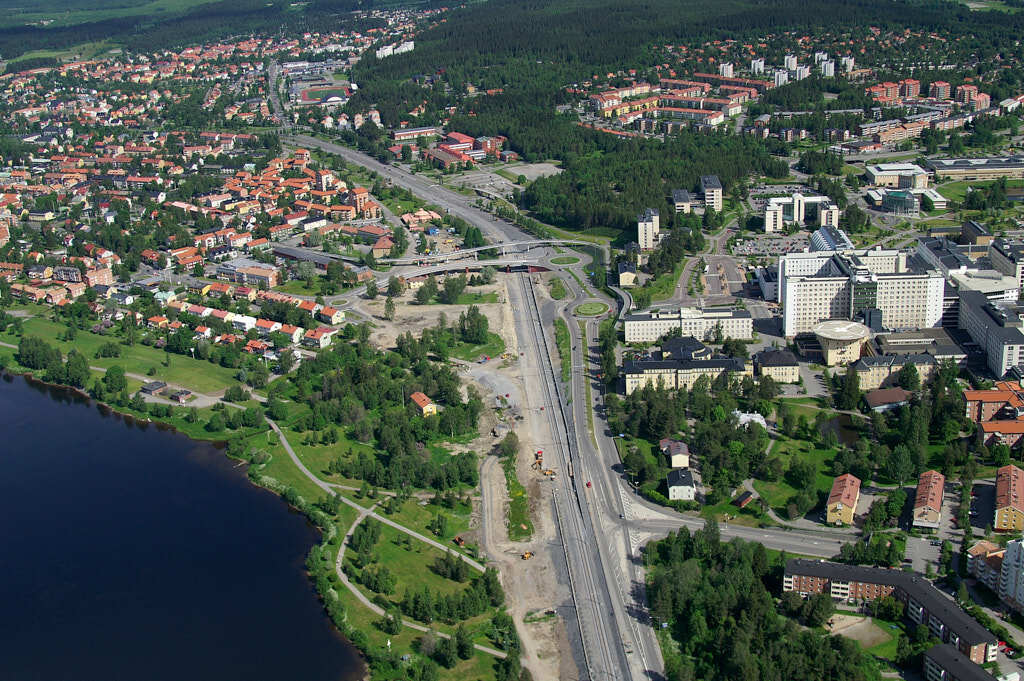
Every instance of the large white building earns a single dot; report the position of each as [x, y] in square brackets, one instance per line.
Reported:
[647, 327]
[1011, 575]
[648, 228]
[1008, 257]
[995, 328]
[799, 209]
[822, 285]
[897, 175]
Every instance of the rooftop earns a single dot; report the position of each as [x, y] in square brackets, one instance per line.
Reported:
[841, 330]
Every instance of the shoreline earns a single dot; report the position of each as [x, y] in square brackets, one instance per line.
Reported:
[7, 373]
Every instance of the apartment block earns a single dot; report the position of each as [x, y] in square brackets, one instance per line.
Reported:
[1009, 515]
[945, 662]
[648, 229]
[939, 90]
[928, 500]
[985, 563]
[1011, 574]
[924, 603]
[711, 190]
[647, 327]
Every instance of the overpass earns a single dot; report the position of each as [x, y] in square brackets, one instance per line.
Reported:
[507, 265]
[503, 249]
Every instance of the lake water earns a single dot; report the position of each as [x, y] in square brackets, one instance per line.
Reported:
[130, 553]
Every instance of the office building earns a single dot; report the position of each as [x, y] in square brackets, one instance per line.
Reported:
[648, 229]
[991, 168]
[924, 604]
[928, 500]
[799, 209]
[781, 365]
[897, 175]
[680, 363]
[1009, 515]
[830, 285]
[711, 190]
[704, 324]
[995, 327]
[1008, 257]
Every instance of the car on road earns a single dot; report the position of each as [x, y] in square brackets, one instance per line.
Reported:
[588, 484]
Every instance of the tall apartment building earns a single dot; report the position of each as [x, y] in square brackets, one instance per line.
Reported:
[802, 71]
[647, 327]
[995, 327]
[1008, 257]
[818, 286]
[965, 94]
[939, 90]
[909, 87]
[1011, 575]
[848, 64]
[945, 663]
[799, 209]
[820, 57]
[725, 69]
[648, 228]
[757, 66]
[780, 77]
[828, 69]
[924, 604]
[711, 189]
[789, 62]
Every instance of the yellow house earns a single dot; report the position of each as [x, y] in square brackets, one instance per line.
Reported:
[842, 500]
[426, 405]
[1009, 499]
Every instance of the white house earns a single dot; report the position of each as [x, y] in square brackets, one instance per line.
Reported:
[680, 485]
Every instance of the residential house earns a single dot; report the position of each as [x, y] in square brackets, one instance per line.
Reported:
[680, 485]
[842, 500]
[424, 403]
[928, 500]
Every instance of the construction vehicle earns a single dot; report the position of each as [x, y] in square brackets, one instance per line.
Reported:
[459, 541]
[548, 472]
[528, 555]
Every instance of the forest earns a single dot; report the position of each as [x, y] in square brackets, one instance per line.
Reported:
[716, 601]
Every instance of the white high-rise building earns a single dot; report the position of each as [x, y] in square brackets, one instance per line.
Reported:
[781, 77]
[820, 57]
[790, 62]
[647, 229]
[802, 72]
[822, 285]
[725, 69]
[799, 209]
[757, 65]
[847, 64]
[1011, 575]
[828, 69]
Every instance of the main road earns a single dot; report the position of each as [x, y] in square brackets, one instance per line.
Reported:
[603, 525]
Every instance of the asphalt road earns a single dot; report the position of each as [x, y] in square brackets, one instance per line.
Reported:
[603, 526]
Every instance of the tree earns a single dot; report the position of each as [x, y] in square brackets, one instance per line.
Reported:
[371, 289]
[927, 205]
[473, 326]
[114, 380]
[463, 642]
[77, 370]
[389, 309]
[286, 361]
[908, 378]
[849, 394]
[395, 287]
[453, 288]
[818, 609]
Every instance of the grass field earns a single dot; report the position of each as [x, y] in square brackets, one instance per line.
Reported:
[562, 342]
[471, 353]
[956, 191]
[663, 286]
[417, 515]
[557, 289]
[520, 527]
[565, 260]
[197, 375]
[778, 494]
[297, 287]
[61, 14]
[591, 309]
[474, 298]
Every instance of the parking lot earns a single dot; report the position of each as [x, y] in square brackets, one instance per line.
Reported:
[771, 245]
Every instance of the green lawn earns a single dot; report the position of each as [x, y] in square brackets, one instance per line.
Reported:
[417, 515]
[557, 289]
[297, 287]
[474, 298]
[197, 375]
[520, 527]
[956, 191]
[564, 260]
[591, 309]
[494, 347]
[778, 494]
[562, 342]
[662, 286]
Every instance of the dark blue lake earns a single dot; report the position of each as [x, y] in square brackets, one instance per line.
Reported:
[128, 553]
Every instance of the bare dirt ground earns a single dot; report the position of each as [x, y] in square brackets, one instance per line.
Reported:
[860, 629]
[532, 586]
[415, 318]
